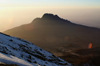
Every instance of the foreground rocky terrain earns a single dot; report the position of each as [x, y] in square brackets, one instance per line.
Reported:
[23, 53]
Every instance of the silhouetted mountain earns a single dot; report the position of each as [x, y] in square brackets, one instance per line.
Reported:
[57, 35]
[50, 16]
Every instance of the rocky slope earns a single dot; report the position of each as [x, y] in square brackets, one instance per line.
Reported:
[20, 52]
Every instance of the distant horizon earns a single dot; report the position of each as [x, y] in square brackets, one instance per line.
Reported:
[14, 13]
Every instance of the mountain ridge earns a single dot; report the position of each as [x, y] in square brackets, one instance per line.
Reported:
[57, 36]
[50, 16]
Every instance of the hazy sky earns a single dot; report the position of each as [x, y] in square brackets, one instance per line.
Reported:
[55, 3]
[17, 12]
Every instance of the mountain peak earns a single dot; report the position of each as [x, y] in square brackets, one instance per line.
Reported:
[50, 16]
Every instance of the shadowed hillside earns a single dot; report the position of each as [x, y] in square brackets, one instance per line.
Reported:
[57, 35]
[53, 30]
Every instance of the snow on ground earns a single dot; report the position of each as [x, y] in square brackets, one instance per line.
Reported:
[18, 51]
[14, 60]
